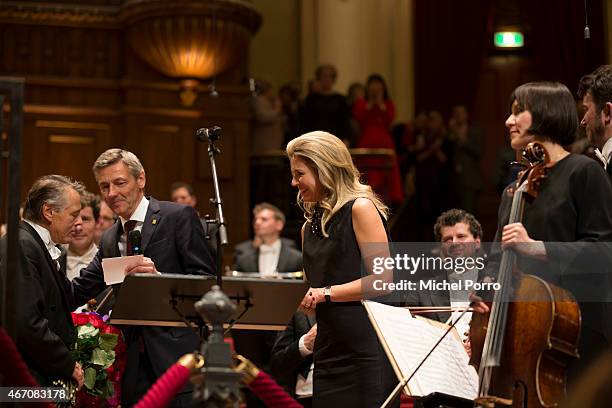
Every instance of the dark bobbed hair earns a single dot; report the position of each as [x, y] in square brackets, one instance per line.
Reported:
[377, 78]
[552, 108]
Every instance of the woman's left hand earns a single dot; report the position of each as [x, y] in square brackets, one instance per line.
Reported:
[312, 297]
[515, 236]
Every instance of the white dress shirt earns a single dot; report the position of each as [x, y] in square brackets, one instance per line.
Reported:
[268, 258]
[460, 299]
[139, 216]
[51, 246]
[303, 386]
[604, 155]
[74, 262]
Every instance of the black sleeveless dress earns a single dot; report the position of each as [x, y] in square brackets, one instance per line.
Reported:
[350, 366]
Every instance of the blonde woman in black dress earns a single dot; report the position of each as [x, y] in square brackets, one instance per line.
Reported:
[344, 218]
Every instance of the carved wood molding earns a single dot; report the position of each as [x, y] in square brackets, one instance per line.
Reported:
[16, 12]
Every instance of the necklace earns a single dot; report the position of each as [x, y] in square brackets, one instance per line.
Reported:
[315, 222]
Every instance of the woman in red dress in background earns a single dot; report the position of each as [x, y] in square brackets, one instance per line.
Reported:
[375, 114]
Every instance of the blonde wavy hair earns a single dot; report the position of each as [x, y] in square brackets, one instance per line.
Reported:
[331, 162]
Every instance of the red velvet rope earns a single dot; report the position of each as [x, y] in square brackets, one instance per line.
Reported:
[14, 371]
[271, 393]
[165, 388]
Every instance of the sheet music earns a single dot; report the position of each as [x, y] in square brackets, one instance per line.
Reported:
[408, 340]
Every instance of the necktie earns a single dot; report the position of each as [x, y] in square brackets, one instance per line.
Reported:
[128, 227]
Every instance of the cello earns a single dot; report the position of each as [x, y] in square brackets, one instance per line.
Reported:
[522, 347]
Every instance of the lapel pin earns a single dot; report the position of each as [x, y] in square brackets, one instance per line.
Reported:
[154, 221]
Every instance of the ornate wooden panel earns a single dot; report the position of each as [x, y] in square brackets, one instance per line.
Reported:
[88, 90]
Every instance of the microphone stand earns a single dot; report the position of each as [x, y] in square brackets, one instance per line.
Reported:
[218, 203]
[405, 380]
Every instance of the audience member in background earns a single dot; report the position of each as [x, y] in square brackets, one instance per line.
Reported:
[375, 114]
[183, 193]
[268, 256]
[325, 109]
[506, 168]
[267, 125]
[290, 103]
[268, 253]
[432, 158]
[105, 220]
[82, 248]
[356, 91]
[468, 147]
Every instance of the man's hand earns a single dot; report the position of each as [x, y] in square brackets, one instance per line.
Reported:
[309, 338]
[78, 375]
[467, 345]
[146, 266]
[478, 305]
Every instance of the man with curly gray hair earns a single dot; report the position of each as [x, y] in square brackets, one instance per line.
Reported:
[45, 332]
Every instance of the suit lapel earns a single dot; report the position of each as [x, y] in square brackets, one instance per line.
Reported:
[110, 241]
[253, 261]
[282, 260]
[440, 298]
[59, 275]
[151, 222]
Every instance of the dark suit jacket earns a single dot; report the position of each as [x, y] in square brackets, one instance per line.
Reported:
[246, 258]
[430, 298]
[172, 236]
[45, 331]
[256, 345]
[287, 362]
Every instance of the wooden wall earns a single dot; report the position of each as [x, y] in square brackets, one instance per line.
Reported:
[86, 91]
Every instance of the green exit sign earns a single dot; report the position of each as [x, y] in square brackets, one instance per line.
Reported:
[508, 39]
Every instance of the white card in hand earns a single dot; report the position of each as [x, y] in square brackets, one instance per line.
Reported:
[114, 268]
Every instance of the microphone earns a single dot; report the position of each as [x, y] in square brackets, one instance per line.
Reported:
[135, 238]
[209, 134]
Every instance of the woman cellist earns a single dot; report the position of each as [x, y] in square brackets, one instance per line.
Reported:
[573, 206]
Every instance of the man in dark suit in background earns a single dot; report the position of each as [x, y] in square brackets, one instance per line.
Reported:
[459, 234]
[595, 90]
[45, 332]
[172, 242]
[291, 363]
[268, 253]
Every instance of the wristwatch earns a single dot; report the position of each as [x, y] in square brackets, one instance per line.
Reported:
[327, 293]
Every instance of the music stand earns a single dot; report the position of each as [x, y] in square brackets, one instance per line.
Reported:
[441, 400]
[160, 300]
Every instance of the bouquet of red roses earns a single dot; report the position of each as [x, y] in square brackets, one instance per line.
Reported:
[100, 350]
